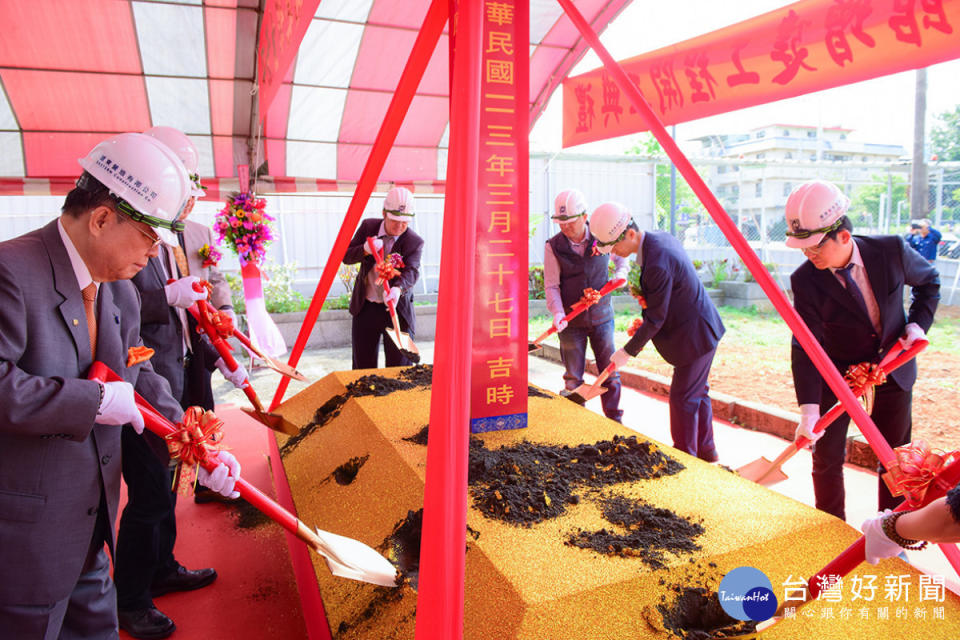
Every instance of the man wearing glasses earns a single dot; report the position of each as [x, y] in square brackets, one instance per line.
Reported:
[679, 318]
[849, 292]
[570, 265]
[65, 303]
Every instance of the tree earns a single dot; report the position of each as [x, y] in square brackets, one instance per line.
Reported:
[945, 136]
[865, 204]
[688, 205]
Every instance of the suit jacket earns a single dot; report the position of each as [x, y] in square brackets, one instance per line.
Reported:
[680, 317]
[54, 459]
[195, 235]
[162, 331]
[409, 245]
[844, 330]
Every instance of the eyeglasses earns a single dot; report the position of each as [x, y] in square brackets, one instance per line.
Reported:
[803, 234]
[817, 248]
[154, 239]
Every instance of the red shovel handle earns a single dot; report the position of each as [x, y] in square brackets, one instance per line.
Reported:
[580, 308]
[157, 423]
[378, 256]
[890, 362]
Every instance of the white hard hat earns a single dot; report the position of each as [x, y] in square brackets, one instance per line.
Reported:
[569, 204]
[146, 176]
[184, 148]
[398, 205]
[608, 224]
[813, 209]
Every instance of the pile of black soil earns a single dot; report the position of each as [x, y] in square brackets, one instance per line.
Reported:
[347, 472]
[534, 392]
[403, 547]
[644, 531]
[696, 614]
[527, 483]
[369, 385]
[420, 437]
[248, 516]
[421, 375]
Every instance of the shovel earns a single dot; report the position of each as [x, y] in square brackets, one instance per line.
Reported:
[346, 557]
[767, 473]
[272, 420]
[585, 392]
[400, 339]
[280, 367]
[574, 312]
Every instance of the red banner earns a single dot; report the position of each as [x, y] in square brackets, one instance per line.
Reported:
[284, 24]
[499, 366]
[807, 46]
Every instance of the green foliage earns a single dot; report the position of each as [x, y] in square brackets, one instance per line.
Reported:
[341, 301]
[718, 271]
[278, 293]
[347, 274]
[633, 279]
[945, 136]
[865, 204]
[689, 210]
[771, 267]
[535, 283]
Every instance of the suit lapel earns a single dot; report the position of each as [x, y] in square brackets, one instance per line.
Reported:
[827, 281]
[109, 342]
[65, 282]
[876, 274]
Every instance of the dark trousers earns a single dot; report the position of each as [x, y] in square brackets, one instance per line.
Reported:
[369, 327]
[892, 415]
[573, 353]
[148, 525]
[691, 414]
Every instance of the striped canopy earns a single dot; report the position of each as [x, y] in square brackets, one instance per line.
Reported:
[75, 72]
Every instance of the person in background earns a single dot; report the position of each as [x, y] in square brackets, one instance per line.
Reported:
[569, 266]
[849, 292]
[924, 239]
[680, 319]
[368, 304]
[145, 566]
[65, 302]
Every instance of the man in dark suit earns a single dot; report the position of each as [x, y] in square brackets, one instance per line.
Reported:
[850, 295]
[680, 319]
[368, 302]
[64, 302]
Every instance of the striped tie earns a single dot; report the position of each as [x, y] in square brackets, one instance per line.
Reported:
[89, 295]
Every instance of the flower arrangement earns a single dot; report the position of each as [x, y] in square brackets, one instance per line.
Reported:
[389, 268]
[245, 226]
[634, 326]
[211, 257]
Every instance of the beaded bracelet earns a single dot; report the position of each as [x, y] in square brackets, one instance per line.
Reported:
[100, 402]
[889, 526]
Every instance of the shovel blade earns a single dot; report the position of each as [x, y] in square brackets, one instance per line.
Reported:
[405, 344]
[284, 369]
[349, 558]
[762, 472]
[533, 346]
[272, 420]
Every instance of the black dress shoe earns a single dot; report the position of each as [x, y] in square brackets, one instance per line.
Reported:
[149, 624]
[183, 580]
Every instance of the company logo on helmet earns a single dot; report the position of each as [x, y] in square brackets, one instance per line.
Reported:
[795, 225]
[128, 180]
[563, 209]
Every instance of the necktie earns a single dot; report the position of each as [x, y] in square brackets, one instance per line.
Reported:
[89, 295]
[181, 257]
[852, 288]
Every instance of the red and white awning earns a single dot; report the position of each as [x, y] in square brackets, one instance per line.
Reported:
[75, 72]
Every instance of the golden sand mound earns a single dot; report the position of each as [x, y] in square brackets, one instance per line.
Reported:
[360, 473]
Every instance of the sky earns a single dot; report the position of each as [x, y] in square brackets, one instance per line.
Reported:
[878, 110]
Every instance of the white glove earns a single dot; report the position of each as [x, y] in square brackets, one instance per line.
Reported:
[224, 477]
[809, 415]
[558, 322]
[393, 296]
[620, 358]
[119, 407]
[878, 546]
[911, 333]
[377, 242]
[180, 293]
[238, 378]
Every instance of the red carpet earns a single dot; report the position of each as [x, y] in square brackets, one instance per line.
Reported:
[255, 595]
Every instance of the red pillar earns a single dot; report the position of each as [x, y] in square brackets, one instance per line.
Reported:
[440, 595]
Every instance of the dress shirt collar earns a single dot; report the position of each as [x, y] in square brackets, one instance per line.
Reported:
[79, 266]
